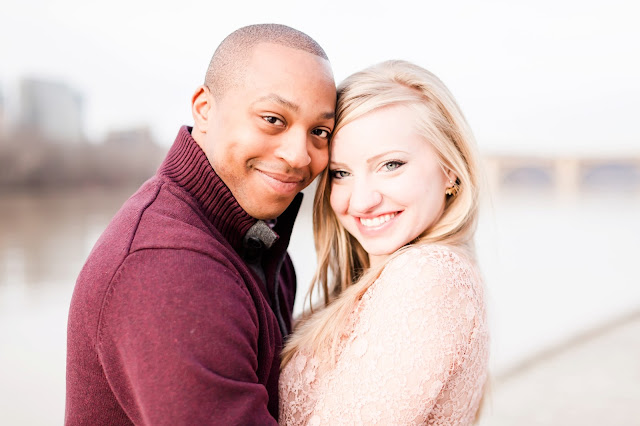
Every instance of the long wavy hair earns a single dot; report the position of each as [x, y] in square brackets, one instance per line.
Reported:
[343, 274]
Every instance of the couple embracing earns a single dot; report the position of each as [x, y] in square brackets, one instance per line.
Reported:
[182, 315]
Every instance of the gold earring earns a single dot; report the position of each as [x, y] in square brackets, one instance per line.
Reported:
[453, 189]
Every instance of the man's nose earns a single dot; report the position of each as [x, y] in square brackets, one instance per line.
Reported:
[364, 196]
[294, 150]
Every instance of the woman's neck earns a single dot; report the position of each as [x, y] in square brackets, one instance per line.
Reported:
[377, 259]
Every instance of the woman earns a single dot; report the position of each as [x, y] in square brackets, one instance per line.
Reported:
[402, 337]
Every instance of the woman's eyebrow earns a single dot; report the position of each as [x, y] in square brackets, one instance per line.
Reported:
[384, 154]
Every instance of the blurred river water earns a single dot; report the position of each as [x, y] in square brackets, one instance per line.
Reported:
[556, 266]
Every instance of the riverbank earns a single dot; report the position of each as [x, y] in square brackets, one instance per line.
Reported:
[592, 380]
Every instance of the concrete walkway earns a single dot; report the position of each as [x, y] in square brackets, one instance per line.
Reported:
[594, 380]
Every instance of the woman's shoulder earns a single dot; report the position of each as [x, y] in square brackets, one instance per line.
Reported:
[421, 268]
[430, 257]
[426, 280]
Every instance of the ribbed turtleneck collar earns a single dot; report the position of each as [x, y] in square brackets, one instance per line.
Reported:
[187, 165]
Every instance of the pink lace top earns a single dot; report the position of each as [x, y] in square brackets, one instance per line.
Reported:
[415, 352]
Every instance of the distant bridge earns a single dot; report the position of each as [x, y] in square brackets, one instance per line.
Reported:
[563, 174]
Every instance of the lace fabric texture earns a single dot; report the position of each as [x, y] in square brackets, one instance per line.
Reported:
[415, 352]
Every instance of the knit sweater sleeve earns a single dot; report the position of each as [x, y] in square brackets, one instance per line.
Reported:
[179, 340]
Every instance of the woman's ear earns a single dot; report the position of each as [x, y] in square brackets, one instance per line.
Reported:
[200, 108]
[451, 178]
[452, 185]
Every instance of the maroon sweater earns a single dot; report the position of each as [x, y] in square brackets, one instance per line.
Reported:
[168, 323]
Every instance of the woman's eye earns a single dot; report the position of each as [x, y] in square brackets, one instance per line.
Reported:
[338, 174]
[273, 120]
[393, 165]
[323, 133]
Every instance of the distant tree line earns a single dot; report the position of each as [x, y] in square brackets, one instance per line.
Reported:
[31, 162]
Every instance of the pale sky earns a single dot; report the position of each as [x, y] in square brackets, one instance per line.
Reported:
[535, 77]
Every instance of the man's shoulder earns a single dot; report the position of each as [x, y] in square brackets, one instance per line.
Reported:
[159, 217]
[174, 220]
[159, 231]
[173, 226]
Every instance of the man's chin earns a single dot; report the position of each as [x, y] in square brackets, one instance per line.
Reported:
[271, 212]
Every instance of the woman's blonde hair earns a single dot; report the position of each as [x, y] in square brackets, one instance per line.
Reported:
[343, 274]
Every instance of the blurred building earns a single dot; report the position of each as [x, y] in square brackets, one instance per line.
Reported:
[50, 110]
[3, 116]
[134, 137]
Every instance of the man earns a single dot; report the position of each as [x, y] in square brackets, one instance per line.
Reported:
[179, 314]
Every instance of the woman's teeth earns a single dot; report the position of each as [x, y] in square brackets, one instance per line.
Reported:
[377, 221]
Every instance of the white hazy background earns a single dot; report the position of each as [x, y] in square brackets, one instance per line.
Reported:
[535, 76]
[543, 78]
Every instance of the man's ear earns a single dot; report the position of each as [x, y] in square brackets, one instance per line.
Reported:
[200, 107]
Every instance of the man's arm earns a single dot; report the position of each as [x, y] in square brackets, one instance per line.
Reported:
[178, 341]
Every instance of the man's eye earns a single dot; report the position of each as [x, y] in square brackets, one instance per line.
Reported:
[338, 174]
[273, 120]
[323, 133]
[393, 165]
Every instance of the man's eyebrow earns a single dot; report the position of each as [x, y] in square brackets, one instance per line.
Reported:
[328, 115]
[272, 97]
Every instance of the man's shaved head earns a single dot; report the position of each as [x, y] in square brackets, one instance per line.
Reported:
[228, 63]
[265, 114]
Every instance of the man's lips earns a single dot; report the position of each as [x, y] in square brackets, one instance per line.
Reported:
[284, 184]
[283, 177]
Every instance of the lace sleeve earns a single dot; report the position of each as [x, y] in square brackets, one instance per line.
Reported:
[411, 335]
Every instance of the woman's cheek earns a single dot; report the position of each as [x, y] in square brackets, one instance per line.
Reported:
[339, 199]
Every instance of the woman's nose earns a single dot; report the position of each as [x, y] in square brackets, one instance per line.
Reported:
[364, 196]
